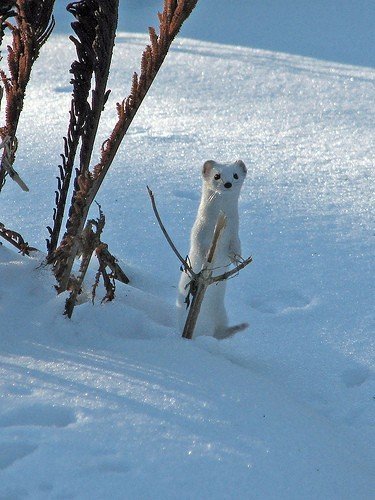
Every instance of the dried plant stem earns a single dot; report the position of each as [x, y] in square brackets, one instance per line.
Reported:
[83, 69]
[170, 21]
[184, 262]
[232, 272]
[203, 281]
[89, 242]
[33, 26]
[153, 57]
[108, 280]
[7, 163]
[108, 260]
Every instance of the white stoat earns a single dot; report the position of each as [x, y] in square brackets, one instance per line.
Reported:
[220, 191]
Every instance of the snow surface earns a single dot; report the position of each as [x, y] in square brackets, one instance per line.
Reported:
[334, 30]
[113, 404]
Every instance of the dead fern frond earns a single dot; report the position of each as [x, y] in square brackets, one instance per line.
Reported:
[16, 240]
[95, 27]
[100, 17]
[154, 42]
[134, 88]
[33, 25]
[108, 279]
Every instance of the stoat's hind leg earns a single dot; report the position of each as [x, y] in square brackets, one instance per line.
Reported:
[229, 331]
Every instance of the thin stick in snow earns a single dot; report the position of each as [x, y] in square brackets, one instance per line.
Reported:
[203, 281]
[184, 262]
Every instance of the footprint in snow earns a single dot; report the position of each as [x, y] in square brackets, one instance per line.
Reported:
[113, 467]
[11, 452]
[281, 301]
[354, 377]
[39, 415]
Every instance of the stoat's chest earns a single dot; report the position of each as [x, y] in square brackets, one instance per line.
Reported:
[204, 226]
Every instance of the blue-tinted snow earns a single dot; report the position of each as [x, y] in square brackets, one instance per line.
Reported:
[334, 30]
[114, 403]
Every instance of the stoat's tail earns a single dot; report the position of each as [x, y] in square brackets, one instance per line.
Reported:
[231, 330]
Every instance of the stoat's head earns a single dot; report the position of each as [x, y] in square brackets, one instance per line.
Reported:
[224, 178]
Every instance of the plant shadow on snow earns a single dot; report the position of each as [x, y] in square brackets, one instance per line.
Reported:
[86, 377]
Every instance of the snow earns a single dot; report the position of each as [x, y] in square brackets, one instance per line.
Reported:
[334, 30]
[113, 404]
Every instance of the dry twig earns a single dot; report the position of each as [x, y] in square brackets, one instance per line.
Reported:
[89, 241]
[7, 162]
[202, 282]
[185, 265]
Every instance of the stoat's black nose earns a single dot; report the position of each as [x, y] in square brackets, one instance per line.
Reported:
[228, 185]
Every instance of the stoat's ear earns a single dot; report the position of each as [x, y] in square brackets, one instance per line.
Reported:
[241, 164]
[207, 167]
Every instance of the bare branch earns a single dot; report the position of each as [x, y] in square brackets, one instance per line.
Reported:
[185, 264]
[232, 272]
[202, 282]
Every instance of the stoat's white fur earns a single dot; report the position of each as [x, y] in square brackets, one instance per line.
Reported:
[220, 191]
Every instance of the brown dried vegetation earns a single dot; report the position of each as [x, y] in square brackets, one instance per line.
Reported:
[95, 29]
[94, 49]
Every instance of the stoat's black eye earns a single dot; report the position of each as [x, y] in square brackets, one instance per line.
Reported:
[217, 177]
[235, 176]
